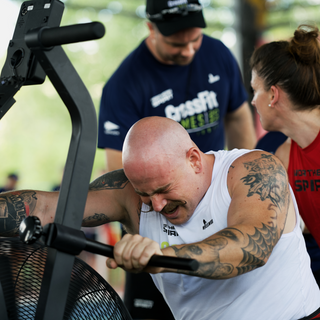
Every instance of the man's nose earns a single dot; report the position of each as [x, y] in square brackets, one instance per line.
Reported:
[158, 202]
[188, 50]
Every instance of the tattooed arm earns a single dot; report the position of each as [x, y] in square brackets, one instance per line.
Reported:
[112, 198]
[108, 199]
[17, 205]
[260, 211]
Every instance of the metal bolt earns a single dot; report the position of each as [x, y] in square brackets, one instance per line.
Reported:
[24, 11]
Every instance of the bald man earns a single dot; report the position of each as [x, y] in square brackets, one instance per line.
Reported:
[233, 211]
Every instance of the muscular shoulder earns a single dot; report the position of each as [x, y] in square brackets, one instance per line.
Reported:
[257, 171]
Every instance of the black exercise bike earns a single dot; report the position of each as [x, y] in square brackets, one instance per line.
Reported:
[40, 277]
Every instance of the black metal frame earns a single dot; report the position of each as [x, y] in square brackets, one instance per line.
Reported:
[34, 53]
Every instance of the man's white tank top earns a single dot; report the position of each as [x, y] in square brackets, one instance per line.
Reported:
[283, 289]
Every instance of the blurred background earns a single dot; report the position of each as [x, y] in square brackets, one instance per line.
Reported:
[35, 133]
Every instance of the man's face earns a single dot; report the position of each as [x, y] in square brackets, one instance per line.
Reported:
[167, 191]
[179, 48]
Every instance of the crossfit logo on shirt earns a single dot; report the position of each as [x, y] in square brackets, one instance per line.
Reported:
[161, 98]
[170, 230]
[197, 115]
[111, 128]
[207, 224]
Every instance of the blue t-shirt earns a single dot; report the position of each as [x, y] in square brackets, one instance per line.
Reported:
[197, 95]
[271, 141]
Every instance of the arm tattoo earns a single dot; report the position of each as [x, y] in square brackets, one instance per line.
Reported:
[14, 207]
[213, 269]
[259, 247]
[267, 178]
[111, 180]
[95, 220]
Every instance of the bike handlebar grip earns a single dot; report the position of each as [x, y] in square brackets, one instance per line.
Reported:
[173, 263]
[155, 261]
[71, 34]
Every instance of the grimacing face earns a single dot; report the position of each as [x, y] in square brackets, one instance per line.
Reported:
[168, 192]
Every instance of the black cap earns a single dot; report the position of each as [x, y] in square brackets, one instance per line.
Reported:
[172, 16]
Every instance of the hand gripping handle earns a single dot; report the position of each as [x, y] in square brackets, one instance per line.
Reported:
[155, 261]
[73, 241]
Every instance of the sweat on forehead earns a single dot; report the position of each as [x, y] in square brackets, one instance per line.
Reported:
[155, 136]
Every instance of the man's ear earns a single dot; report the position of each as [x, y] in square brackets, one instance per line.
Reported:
[194, 158]
[151, 28]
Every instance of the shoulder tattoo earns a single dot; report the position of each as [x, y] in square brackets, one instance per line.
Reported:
[267, 178]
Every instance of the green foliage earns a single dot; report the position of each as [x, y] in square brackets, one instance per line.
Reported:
[35, 133]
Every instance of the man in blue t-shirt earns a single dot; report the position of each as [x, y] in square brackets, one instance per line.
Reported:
[178, 73]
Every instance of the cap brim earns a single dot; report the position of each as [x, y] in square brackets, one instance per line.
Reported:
[169, 27]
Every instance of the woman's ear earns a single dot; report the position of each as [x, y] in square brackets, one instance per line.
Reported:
[275, 92]
[194, 158]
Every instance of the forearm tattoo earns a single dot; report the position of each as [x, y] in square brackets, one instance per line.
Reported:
[14, 207]
[213, 268]
[267, 179]
[259, 247]
[111, 180]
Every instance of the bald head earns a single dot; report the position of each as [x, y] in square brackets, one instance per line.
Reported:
[157, 142]
[154, 137]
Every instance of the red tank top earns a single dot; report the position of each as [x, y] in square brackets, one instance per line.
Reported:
[304, 177]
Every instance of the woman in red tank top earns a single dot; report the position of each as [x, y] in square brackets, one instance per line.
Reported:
[286, 85]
